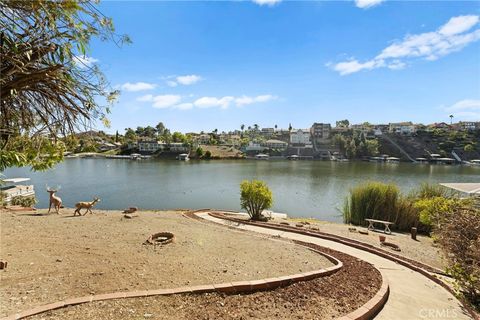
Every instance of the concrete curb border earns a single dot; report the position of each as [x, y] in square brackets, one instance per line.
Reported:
[352, 243]
[366, 311]
[227, 287]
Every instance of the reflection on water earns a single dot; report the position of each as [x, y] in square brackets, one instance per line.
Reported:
[300, 188]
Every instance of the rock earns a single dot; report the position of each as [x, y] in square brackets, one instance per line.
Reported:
[147, 315]
[59, 260]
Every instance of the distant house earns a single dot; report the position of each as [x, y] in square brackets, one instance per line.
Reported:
[403, 128]
[439, 125]
[300, 137]
[268, 131]
[149, 146]
[320, 131]
[203, 139]
[254, 146]
[132, 145]
[178, 147]
[468, 125]
[275, 144]
[106, 146]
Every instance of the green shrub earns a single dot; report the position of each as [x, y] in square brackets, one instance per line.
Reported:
[208, 154]
[458, 234]
[23, 201]
[199, 152]
[255, 196]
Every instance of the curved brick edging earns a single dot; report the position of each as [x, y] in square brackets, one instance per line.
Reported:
[352, 243]
[365, 312]
[227, 287]
[372, 306]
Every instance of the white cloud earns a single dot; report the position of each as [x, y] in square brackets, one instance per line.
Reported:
[209, 102]
[166, 101]
[245, 100]
[185, 80]
[364, 4]
[352, 66]
[145, 98]
[468, 109]
[269, 3]
[188, 80]
[173, 101]
[84, 61]
[458, 25]
[138, 86]
[450, 37]
[184, 106]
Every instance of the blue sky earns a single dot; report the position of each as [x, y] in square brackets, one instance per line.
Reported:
[216, 65]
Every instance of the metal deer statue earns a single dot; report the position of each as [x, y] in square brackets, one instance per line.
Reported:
[54, 200]
[85, 205]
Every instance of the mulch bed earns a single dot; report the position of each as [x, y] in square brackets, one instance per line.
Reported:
[324, 298]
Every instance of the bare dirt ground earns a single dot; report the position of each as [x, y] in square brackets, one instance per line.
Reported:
[324, 298]
[422, 250]
[54, 257]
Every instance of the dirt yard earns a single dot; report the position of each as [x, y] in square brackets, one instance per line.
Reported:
[54, 257]
[422, 250]
[323, 298]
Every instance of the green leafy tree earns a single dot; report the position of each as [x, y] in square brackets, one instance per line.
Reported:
[199, 152]
[208, 154]
[130, 134]
[343, 123]
[255, 196]
[178, 137]
[49, 88]
[160, 128]
[167, 136]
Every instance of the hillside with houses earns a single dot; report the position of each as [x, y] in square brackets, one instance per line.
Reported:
[404, 141]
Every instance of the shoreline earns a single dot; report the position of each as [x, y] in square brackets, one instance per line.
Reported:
[93, 155]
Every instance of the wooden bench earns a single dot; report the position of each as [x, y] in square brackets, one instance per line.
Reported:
[385, 223]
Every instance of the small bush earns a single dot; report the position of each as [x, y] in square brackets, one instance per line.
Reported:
[255, 196]
[458, 234]
[199, 152]
[208, 154]
[23, 201]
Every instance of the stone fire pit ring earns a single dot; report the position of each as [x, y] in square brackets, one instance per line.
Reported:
[160, 238]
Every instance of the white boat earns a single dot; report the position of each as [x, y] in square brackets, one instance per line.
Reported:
[183, 157]
[393, 160]
[12, 189]
[292, 157]
[262, 156]
[135, 156]
[475, 162]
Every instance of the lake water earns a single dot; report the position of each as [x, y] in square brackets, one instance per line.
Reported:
[300, 188]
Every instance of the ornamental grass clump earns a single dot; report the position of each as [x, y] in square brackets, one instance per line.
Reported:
[380, 201]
